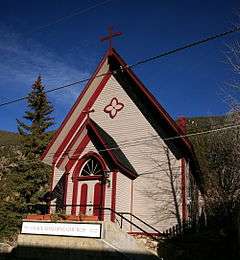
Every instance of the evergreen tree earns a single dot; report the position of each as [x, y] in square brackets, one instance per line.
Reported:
[35, 136]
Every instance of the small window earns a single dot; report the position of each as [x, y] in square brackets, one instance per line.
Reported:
[92, 167]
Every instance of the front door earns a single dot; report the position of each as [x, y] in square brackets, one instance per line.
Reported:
[86, 196]
[91, 190]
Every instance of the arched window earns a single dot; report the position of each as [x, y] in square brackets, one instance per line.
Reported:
[92, 167]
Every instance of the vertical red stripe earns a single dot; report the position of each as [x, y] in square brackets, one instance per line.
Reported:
[113, 202]
[83, 198]
[97, 199]
[74, 196]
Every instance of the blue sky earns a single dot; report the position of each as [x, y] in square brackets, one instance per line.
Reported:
[189, 83]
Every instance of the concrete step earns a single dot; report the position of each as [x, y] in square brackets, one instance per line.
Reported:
[148, 242]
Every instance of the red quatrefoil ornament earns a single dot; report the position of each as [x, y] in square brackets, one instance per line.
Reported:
[113, 108]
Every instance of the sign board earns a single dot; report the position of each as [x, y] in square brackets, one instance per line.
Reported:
[92, 230]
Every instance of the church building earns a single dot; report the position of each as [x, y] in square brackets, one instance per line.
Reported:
[118, 151]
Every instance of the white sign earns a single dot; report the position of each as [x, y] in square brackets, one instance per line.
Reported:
[92, 230]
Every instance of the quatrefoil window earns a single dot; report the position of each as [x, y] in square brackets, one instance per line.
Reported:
[113, 108]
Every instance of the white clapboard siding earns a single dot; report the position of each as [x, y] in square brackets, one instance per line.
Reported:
[123, 197]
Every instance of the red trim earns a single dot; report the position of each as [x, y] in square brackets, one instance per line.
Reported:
[83, 198]
[83, 160]
[113, 202]
[74, 140]
[182, 122]
[77, 153]
[75, 105]
[81, 117]
[89, 178]
[97, 199]
[183, 191]
[98, 157]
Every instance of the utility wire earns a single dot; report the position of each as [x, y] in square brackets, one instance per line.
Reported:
[170, 138]
[161, 55]
[164, 139]
[139, 140]
[187, 46]
[72, 14]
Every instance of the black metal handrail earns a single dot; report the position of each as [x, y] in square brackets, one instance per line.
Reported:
[140, 220]
[101, 210]
[130, 222]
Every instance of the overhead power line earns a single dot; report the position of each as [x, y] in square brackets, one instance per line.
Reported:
[126, 143]
[158, 56]
[76, 12]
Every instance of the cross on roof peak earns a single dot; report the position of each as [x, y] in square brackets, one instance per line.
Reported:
[110, 36]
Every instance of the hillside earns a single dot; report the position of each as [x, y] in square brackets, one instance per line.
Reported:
[203, 123]
[9, 138]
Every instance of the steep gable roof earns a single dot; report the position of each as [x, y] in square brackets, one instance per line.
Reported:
[113, 64]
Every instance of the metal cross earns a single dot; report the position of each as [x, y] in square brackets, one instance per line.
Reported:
[110, 36]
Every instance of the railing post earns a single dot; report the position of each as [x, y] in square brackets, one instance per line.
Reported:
[121, 223]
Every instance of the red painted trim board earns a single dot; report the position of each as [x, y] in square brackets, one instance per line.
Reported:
[113, 202]
[81, 117]
[97, 199]
[69, 147]
[75, 105]
[77, 153]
